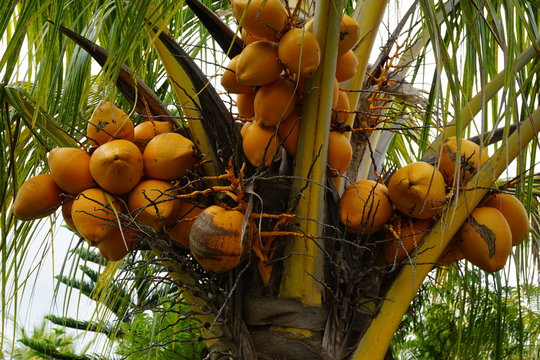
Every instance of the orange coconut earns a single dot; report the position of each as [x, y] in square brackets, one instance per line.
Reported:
[451, 253]
[229, 82]
[264, 18]
[288, 131]
[486, 239]
[66, 214]
[118, 245]
[153, 203]
[260, 144]
[244, 128]
[246, 105]
[299, 51]
[346, 66]
[470, 155]
[217, 239]
[70, 169]
[340, 112]
[168, 156]
[365, 207]
[117, 166]
[248, 38]
[407, 233]
[180, 230]
[274, 102]
[258, 64]
[418, 190]
[149, 129]
[108, 123]
[339, 153]
[514, 212]
[37, 197]
[349, 33]
[94, 213]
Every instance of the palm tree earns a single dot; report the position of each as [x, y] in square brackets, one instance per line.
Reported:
[323, 293]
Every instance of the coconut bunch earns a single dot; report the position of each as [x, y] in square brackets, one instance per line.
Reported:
[126, 185]
[125, 165]
[414, 198]
[268, 78]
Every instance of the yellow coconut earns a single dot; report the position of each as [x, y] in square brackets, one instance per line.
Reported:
[406, 234]
[365, 207]
[180, 230]
[486, 239]
[168, 156]
[346, 66]
[70, 169]
[117, 166]
[246, 105]
[149, 129]
[244, 128]
[260, 144]
[339, 153]
[152, 202]
[118, 245]
[274, 102]
[514, 212]
[248, 38]
[39, 196]
[299, 51]
[95, 215]
[418, 190]
[258, 64]
[349, 33]
[229, 82]
[216, 240]
[340, 112]
[264, 18]
[450, 254]
[66, 214]
[109, 123]
[288, 131]
[470, 155]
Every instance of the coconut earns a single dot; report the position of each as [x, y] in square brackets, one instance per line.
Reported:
[217, 239]
[117, 166]
[39, 196]
[152, 203]
[274, 102]
[339, 153]
[288, 131]
[109, 123]
[299, 51]
[365, 207]
[407, 233]
[180, 230]
[258, 64]
[418, 190]
[70, 169]
[470, 156]
[260, 144]
[95, 215]
[118, 245]
[168, 156]
[229, 82]
[346, 66]
[263, 18]
[514, 212]
[485, 239]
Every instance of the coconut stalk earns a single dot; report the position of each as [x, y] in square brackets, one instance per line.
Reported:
[375, 341]
[303, 267]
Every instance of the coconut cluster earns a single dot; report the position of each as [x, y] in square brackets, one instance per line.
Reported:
[268, 78]
[414, 198]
